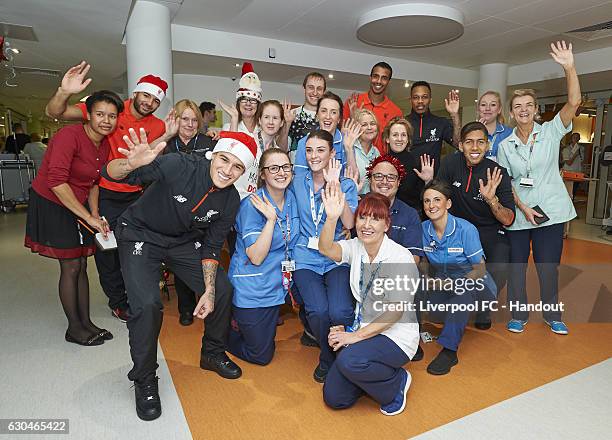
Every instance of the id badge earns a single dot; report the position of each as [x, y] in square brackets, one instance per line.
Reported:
[313, 243]
[526, 182]
[288, 266]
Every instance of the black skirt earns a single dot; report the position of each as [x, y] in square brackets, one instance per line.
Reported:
[52, 230]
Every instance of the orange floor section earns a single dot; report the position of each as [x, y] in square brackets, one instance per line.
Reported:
[281, 400]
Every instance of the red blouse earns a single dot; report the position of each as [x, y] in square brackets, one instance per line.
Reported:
[71, 158]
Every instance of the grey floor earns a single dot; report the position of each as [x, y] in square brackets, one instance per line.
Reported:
[574, 407]
[45, 377]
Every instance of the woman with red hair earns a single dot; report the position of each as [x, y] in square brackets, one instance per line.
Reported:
[384, 335]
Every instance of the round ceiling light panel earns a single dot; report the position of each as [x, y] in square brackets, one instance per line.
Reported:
[410, 25]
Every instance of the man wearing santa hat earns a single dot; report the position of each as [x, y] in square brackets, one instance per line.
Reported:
[182, 221]
[114, 198]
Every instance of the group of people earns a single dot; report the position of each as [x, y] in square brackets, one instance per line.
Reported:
[317, 205]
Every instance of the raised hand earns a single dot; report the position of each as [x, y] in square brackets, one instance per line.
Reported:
[264, 206]
[332, 172]
[427, 168]
[333, 200]
[352, 103]
[139, 152]
[493, 181]
[288, 111]
[172, 123]
[351, 131]
[562, 54]
[231, 110]
[74, 80]
[452, 102]
[354, 176]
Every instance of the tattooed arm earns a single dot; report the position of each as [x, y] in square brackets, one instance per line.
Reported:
[206, 304]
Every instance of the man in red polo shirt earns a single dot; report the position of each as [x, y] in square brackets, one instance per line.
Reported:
[376, 100]
[116, 197]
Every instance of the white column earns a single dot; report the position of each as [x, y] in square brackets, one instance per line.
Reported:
[494, 77]
[149, 48]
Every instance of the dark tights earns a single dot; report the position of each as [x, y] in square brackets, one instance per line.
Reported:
[74, 295]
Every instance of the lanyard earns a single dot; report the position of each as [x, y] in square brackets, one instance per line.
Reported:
[192, 148]
[363, 293]
[316, 218]
[286, 233]
[528, 160]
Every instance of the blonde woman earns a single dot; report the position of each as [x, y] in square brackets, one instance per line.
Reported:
[364, 148]
[489, 109]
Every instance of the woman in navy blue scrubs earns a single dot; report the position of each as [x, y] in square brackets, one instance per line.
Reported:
[261, 268]
[384, 334]
[323, 285]
[456, 271]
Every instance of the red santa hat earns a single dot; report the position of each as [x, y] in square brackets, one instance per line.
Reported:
[240, 145]
[153, 85]
[249, 85]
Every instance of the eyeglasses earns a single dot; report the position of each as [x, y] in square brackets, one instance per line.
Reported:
[273, 169]
[248, 101]
[389, 177]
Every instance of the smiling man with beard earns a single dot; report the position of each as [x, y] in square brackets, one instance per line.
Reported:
[116, 197]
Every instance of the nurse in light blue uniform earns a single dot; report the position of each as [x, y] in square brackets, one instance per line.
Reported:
[329, 115]
[323, 285]
[261, 268]
[455, 259]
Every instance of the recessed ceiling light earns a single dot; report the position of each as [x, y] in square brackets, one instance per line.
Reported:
[237, 64]
[406, 84]
[410, 25]
[15, 50]
[330, 76]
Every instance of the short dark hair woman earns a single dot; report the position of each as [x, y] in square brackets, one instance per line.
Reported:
[63, 209]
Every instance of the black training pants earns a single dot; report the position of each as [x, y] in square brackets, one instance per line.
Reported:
[141, 264]
[111, 206]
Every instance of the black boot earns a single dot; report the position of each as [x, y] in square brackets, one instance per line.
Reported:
[148, 403]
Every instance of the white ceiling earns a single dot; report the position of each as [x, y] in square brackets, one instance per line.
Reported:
[512, 31]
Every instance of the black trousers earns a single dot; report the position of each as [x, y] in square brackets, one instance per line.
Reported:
[186, 298]
[496, 246]
[547, 245]
[111, 206]
[141, 264]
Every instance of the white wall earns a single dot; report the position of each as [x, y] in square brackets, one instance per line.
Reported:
[200, 88]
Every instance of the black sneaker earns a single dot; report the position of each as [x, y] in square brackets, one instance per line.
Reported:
[483, 320]
[418, 355]
[221, 364]
[148, 403]
[308, 340]
[186, 318]
[319, 374]
[443, 363]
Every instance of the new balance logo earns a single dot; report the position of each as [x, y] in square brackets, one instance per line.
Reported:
[457, 184]
[198, 245]
[180, 198]
[138, 248]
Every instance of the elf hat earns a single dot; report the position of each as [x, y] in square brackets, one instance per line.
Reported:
[153, 85]
[240, 145]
